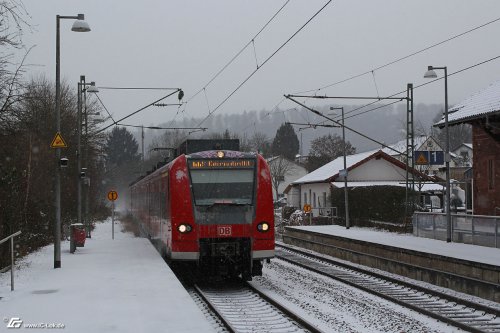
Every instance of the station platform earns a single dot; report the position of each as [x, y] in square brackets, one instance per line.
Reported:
[120, 285]
[470, 269]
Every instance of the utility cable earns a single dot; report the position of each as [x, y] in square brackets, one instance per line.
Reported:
[238, 53]
[415, 87]
[133, 113]
[402, 58]
[105, 108]
[203, 89]
[265, 61]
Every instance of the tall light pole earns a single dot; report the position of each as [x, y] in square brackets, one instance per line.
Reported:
[344, 172]
[431, 74]
[79, 26]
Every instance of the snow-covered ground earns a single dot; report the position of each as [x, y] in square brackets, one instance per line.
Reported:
[123, 285]
[336, 307]
[475, 253]
[119, 285]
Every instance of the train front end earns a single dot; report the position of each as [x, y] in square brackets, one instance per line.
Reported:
[233, 213]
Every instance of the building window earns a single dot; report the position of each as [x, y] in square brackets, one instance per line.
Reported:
[305, 198]
[491, 174]
[314, 199]
[324, 199]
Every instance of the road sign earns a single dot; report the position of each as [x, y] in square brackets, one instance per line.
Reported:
[421, 157]
[58, 142]
[307, 208]
[112, 195]
[436, 158]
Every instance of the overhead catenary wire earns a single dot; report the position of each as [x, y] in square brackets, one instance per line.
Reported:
[163, 128]
[136, 88]
[203, 89]
[343, 125]
[389, 64]
[238, 53]
[414, 87]
[264, 62]
[135, 112]
[402, 58]
[105, 108]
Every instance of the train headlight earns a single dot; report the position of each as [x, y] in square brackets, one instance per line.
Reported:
[263, 226]
[184, 228]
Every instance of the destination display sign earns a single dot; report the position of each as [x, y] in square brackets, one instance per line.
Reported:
[221, 164]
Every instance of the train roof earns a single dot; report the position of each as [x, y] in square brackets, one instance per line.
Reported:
[198, 155]
[227, 154]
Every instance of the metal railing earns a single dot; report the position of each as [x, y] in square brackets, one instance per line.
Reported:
[11, 237]
[480, 230]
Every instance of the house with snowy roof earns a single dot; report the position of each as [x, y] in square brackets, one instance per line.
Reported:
[482, 111]
[372, 168]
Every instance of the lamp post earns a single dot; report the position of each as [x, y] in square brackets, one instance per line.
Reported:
[78, 26]
[344, 172]
[431, 74]
[83, 87]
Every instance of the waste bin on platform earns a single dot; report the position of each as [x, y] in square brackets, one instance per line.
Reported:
[77, 236]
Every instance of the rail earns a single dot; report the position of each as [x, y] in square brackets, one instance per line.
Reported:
[11, 237]
[480, 230]
[460, 312]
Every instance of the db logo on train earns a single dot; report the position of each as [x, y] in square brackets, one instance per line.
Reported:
[224, 230]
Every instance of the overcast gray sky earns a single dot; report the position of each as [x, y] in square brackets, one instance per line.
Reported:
[159, 43]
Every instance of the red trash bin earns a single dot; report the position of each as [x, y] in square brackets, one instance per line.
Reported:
[77, 236]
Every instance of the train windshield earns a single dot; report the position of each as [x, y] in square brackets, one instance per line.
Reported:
[223, 186]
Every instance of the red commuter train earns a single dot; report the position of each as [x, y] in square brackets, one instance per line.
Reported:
[213, 208]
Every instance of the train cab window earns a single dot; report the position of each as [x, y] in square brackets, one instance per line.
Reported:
[234, 186]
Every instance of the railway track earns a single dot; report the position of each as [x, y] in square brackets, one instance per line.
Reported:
[460, 313]
[243, 309]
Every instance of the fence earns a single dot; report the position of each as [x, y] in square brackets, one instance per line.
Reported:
[469, 229]
[11, 237]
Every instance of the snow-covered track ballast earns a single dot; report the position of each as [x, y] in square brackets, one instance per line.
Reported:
[243, 309]
[465, 314]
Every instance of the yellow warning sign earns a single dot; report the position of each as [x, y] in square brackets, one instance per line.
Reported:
[422, 157]
[58, 142]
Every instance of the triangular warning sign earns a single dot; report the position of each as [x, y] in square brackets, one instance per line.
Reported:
[58, 142]
[421, 159]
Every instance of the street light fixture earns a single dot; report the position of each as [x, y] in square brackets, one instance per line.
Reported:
[431, 74]
[344, 172]
[79, 26]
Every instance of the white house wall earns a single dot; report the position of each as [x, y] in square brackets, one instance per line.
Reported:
[316, 193]
[376, 170]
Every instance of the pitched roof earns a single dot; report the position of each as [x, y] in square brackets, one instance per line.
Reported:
[330, 171]
[484, 102]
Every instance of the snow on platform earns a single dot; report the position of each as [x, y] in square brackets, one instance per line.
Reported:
[120, 285]
[473, 253]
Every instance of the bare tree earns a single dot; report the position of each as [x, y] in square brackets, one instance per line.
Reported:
[261, 143]
[12, 23]
[279, 167]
